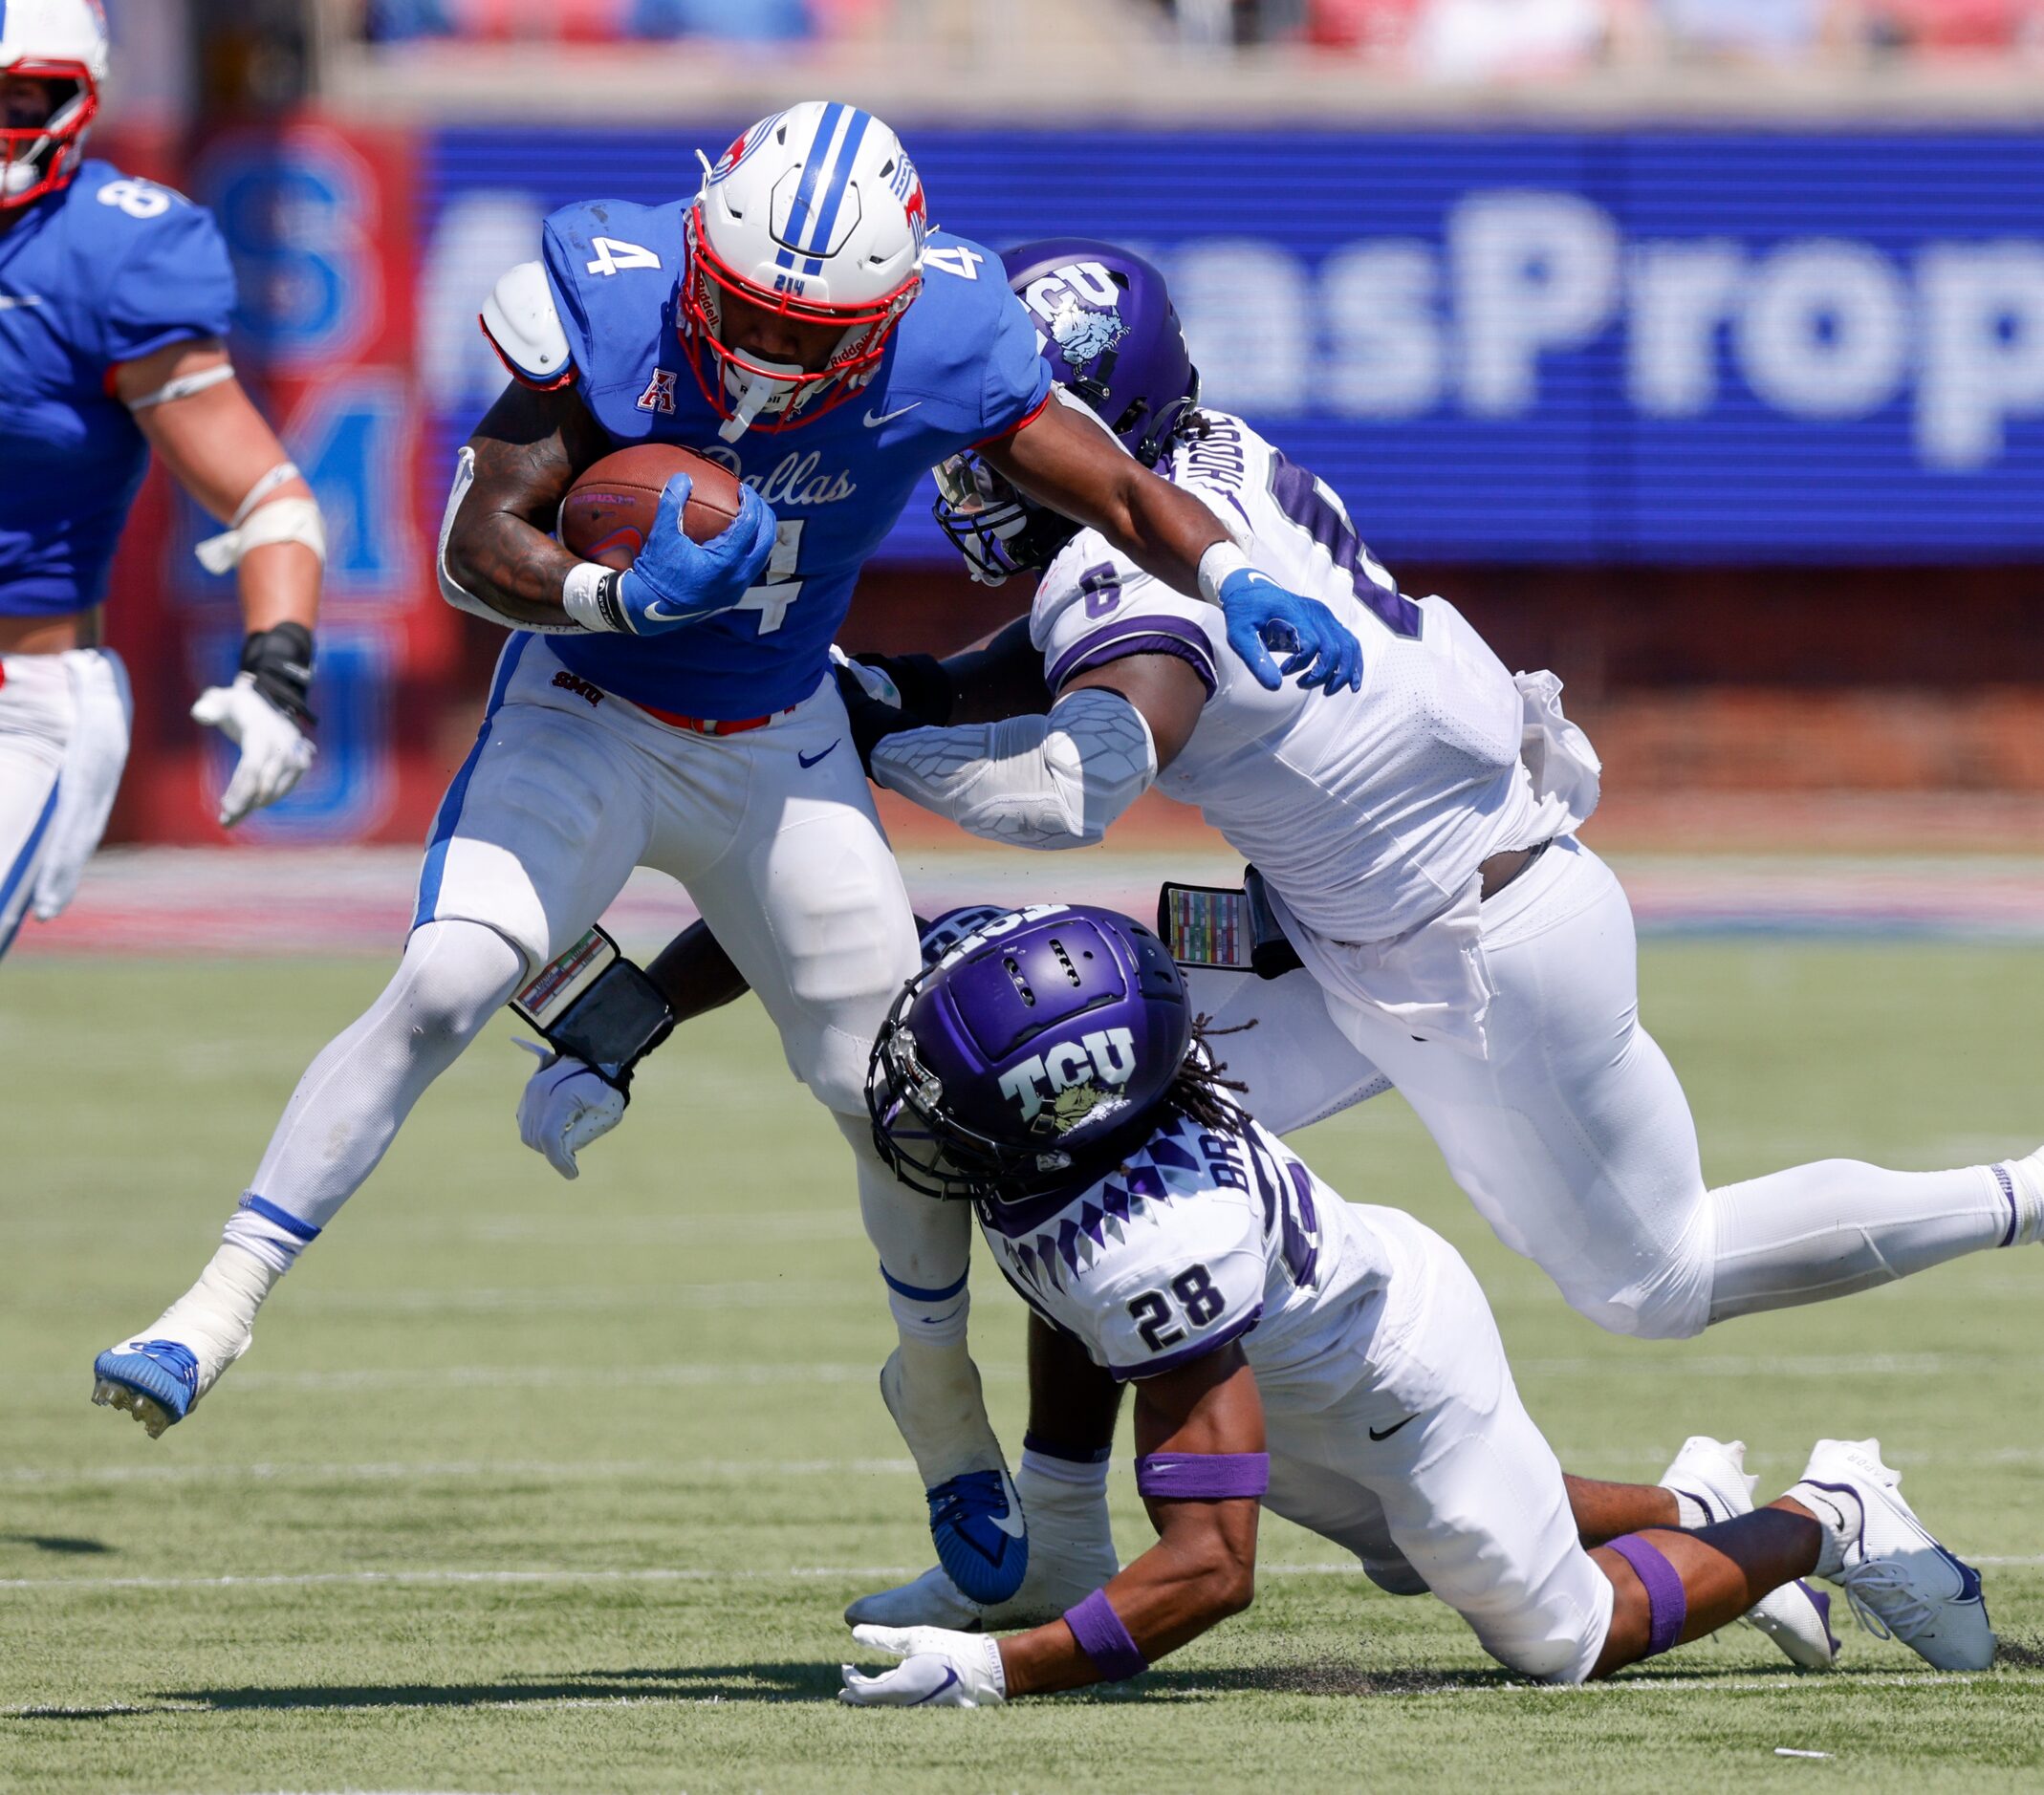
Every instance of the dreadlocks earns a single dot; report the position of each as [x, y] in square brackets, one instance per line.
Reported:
[1200, 1092]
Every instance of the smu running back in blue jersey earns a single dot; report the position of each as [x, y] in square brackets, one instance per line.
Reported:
[961, 368]
[106, 271]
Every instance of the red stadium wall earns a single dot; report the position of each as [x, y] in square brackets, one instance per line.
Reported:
[319, 220]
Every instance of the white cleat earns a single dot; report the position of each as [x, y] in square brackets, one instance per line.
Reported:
[1797, 1619]
[1071, 1555]
[1901, 1583]
[2024, 1183]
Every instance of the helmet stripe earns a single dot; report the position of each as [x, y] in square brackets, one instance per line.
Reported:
[812, 167]
[840, 178]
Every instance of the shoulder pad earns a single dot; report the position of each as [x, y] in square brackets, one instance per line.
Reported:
[523, 326]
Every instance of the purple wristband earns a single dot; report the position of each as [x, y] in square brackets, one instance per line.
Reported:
[1103, 1639]
[1203, 1476]
[1668, 1602]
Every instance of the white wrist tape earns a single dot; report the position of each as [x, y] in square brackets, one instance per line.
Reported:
[1219, 561]
[185, 386]
[581, 596]
[281, 520]
[1053, 781]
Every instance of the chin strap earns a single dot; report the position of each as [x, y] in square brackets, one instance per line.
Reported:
[756, 392]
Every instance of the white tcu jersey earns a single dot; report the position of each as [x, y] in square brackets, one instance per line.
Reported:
[1197, 1240]
[1367, 812]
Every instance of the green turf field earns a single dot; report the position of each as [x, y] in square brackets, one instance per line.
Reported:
[532, 1487]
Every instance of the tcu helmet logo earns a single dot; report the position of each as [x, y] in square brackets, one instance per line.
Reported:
[658, 395]
[1082, 335]
[1074, 1072]
[1076, 303]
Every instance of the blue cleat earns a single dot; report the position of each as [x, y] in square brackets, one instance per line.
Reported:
[158, 1375]
[982, 1543]
[156, 1380]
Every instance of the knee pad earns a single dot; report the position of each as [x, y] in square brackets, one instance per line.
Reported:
[453, 976]
[1671, 1303]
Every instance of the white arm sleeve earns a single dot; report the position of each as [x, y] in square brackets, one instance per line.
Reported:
[452, 590]
[1033, 782]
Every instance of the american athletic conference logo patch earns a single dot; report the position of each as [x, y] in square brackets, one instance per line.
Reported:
[658, 395]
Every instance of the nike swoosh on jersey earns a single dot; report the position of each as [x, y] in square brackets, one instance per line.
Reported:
[1392, 1427]
[888, 417]
[810, 760]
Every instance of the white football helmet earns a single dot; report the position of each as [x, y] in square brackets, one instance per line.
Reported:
[818, 214]
[64, 42]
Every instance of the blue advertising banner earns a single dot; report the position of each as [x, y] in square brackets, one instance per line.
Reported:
[1644, 346]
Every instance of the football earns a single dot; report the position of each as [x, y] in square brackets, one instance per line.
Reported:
[610, 508]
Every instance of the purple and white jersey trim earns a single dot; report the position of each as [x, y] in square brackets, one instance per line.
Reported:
[1145, 633]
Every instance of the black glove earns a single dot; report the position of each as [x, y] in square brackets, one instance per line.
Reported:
[279, 661]
[872, 719]
[926, 688]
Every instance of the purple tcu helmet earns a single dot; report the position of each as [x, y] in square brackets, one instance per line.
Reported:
[1105, 324]
[1035, 1044]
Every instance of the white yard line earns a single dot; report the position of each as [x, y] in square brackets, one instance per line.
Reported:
[700, 1374]
[585, 1471]
[653, 1574]
[687, 1469]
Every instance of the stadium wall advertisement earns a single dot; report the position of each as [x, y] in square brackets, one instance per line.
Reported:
[1635, 346]
[1569, 349]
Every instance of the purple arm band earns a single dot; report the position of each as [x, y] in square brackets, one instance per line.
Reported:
[1668, 1602]
[1103, 1639]
[1203, 1476]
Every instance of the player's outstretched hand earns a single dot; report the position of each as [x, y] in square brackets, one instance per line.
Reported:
[566, 1105]
[274, 751]
[676, 581]
[939, 1669]
[1263, 616]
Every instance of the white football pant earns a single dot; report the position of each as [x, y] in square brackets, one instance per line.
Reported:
[773, 832]
[1458, 1493]
[64, 727]
[1574, 1139]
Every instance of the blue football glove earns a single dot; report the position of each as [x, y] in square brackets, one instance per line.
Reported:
[1263, 616]
[676, 581]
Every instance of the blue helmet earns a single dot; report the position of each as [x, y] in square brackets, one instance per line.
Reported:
[1106, 325]
[1035, 1046]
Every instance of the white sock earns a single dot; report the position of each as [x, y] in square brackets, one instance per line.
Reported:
[266, 1233]
[1839, 1513]
[1837, 1226]
[1065, 1502]
[1689, 1513]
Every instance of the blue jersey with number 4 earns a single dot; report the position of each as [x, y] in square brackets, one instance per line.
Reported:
[107, 269]
[962, 367]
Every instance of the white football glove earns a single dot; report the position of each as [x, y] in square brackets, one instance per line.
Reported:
[940, 1670]
[564, 1107]
[875, 682]
[274, 752]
